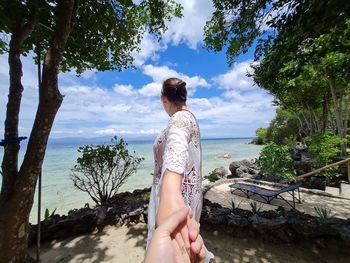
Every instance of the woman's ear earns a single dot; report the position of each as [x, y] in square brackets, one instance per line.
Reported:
[164, 99]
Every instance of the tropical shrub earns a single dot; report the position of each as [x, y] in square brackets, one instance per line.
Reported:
[276, 160]
[282, 127]
[103, 169]
[261, 136]
[212, 176]
[256, 207]
[325, 147]
[323, 213]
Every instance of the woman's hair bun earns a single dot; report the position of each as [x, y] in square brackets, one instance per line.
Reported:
[175, 90]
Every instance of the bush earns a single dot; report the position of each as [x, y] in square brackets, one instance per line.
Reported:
[261, 136]
[324, 147]
[103, 169]
[283, 126]
[276, 160]
[212, 176]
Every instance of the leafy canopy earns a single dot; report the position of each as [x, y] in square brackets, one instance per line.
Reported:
[105, 32]
[238, 25]
[276, 160]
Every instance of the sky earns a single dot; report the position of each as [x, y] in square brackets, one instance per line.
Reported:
[127, 104]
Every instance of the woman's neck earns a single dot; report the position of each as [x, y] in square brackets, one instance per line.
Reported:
[175, 109]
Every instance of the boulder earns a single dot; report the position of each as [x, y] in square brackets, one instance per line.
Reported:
[244, 169]
[126, 207]
[281, 225]
[222, 172]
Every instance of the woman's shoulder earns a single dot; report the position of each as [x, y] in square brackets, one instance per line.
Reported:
[181, 118]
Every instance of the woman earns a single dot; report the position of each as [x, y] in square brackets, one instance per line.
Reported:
[177, 154]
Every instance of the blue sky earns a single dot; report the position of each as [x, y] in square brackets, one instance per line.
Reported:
[127, 103]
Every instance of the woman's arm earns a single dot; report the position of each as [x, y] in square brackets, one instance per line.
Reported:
[171, 199]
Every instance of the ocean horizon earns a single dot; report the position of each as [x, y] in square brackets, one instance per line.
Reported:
[59, 193]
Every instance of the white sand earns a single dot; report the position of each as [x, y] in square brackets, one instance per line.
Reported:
[126, 244]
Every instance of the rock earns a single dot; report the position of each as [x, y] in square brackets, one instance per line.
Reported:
[278, 226]
[244, 169]
[345, 189]
[315, 182]
[222, 172]
[302, 167]
[306, 158]
[300, 147]
[126, 207]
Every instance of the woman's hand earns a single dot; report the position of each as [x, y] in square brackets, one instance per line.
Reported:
[171, 200]
[162, 245]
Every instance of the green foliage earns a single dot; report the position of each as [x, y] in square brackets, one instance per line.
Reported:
[103, 169]
[47, 213]
[323, 213]
[233, 205]
[276, 160]
[324, 147]
[261, 136]
[212, 176]
[256, 207]
[282, 128]
[104, 35]
[305, 61]
[237, 25]
[142, 197]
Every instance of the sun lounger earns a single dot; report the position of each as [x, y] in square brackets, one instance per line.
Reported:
[268, 194]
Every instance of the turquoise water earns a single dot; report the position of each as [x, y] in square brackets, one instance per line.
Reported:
[58, 191]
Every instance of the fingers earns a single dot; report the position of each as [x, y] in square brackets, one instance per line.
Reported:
[193, 229]
[186, 239]
[197, 247]
[171, 223]
[202, 254]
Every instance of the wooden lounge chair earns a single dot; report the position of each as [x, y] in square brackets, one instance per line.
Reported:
[268, 194]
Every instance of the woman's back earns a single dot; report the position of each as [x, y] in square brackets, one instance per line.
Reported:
[178, 149]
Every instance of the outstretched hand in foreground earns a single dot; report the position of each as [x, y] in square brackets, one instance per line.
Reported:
[162, 247]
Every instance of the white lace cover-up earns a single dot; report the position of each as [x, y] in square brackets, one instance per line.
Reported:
[178, 149]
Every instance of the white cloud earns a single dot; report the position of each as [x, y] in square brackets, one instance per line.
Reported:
[236, 78]
[148, 49]
[91, 110]
[190, 28]
[151, 89]
[161, 73]
[124, 90]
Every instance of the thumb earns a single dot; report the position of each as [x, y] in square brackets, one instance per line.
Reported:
[173, 221]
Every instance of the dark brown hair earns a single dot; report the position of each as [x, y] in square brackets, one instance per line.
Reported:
[175, 90]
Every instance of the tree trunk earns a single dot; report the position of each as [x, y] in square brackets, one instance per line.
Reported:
[338, 115]
[8, 222]
[15, 210]
[324, 114]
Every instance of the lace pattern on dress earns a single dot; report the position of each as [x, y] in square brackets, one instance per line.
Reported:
[191, 186]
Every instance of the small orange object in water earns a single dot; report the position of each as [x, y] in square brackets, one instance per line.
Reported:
[224, 155]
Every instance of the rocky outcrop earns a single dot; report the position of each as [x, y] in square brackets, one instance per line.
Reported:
[244, 169]
[124, 207]
[221, 172]
[277, 226]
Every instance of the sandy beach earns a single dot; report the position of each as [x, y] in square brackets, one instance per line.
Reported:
[126, 245]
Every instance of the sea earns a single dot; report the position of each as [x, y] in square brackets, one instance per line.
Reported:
[58, 192]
